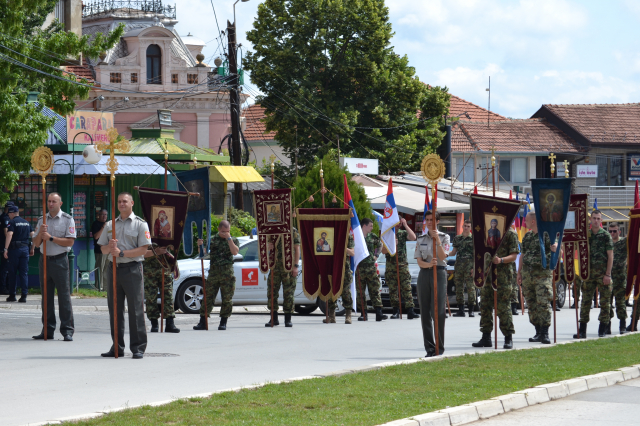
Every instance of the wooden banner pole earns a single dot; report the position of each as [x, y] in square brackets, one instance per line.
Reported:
[114, 272]
[398, 277]
[555, 297]
[204, 290]
[434, 203]
[494, 269]
[44, 257]
[575, 302]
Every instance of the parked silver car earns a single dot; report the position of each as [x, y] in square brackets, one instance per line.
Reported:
[251, 284]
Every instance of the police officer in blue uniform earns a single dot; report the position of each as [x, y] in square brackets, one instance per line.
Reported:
[4, 221]
[16, 251]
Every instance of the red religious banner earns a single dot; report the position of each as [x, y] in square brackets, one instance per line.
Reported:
[633, 254]
[165, 212]
[491, 218]
[273, 217]
[574, 239]
[324, 236]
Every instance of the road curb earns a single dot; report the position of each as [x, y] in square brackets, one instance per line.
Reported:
[452, 416]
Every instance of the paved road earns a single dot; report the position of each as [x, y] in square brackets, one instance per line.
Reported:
[613, 405]
[67, 379]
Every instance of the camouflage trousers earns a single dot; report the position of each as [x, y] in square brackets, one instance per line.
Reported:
[152, 286]
[618, 289]
[588, 290]
[463, 278]
[391, 276]
[347, 300]
[504, 306]
[367, 278]
[284, 278]
[538, 291]
[221, 279]
[514, 285]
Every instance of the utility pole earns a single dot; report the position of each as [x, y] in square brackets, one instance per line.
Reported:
[234, 103]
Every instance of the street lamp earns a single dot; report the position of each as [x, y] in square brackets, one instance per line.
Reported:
[234, 9]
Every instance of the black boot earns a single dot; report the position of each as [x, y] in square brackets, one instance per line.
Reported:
[411, 314]
[536, 338]
[396, 313]
[544, 335]
[287, 320]
[508, 342]
[608, 331]
[583, 331]
[154, 326]
[202, 325]
[275, 320]
[11, 298]
[170, 326]
[379, 315]
[363, 317]
[623, 326]
[631, 327]
[602, 329]
[514, 309]
[460, 312]
[23, 299]
[485, 342]
[223, 324]
[471, 309]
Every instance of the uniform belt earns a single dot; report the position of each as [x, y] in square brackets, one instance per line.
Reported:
[438, 267]
[55, 256]
[126, 264]
[18, 244]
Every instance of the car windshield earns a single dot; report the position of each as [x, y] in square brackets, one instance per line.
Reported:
[249, 251]
[411, 248]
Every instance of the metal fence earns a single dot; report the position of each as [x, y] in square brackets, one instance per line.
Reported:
[97, 7]
[608, 195]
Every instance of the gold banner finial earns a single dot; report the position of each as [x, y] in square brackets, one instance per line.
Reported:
[552, 157]
[42, 161]
[116, 142]
[432, 169]
[566, 168]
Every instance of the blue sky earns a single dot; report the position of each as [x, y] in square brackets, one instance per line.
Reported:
[536, 51]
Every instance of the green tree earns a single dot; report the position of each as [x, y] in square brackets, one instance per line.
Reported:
[327, 71]
[26, 49]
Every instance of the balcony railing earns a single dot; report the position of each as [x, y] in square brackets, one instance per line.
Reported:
[608, 196]
[135, 7]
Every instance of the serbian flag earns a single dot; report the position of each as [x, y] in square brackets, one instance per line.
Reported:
[360, 245]
[518, 220]
[427, 207]
[389, 222]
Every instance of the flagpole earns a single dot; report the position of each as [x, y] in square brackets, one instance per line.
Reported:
[553, 275]
[434, 205]
[166, 158]
[494, 269]
[274, 251]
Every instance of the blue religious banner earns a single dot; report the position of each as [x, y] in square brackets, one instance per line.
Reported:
[551, 198]
[199, 210]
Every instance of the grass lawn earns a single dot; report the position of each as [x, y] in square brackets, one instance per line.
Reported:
[83, 293]
[391, 393]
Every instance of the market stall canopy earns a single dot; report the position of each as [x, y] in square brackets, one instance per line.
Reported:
[234, 174]
[151, 143]
[409, 202]
[126, 166]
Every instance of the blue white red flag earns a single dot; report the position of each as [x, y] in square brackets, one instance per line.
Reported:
[389, 222]
[427, 207]
[360, 245]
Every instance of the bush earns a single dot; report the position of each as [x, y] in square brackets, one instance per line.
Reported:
[242, 220]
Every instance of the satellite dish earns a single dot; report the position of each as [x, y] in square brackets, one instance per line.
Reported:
[91, 155]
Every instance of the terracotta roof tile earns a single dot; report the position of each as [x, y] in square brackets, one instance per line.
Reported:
[82, 71]
[459, 106]
[532, 135]
[255, 127]
[602, 123]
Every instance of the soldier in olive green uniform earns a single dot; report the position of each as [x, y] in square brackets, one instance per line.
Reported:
[463, 272]
[152, 273]
[222, 249]
[287, 279]
[507, 253]
[515, 300]
[347, 300]
[391, 276]
[600, 264]
[367, 275]
[536, 282]
[619, 275]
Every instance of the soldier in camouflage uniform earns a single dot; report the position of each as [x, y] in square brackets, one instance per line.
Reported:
[391, 276]
[536, 282]
[367, 275]
[347, 300]
[600, 264]
[463, 272]
[507, 253]
[152, 274]
[287, 279]
[221, 251]
[619, 275]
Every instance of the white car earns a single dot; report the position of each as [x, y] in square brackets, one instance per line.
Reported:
[251, 284]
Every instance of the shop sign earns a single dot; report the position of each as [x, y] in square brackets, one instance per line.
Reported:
[94, 123]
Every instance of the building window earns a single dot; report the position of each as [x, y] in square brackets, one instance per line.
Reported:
[27, 195]
[192, 78]
[134, 77]
[174, 78]
[609, 171]
[115, 77]
[154, 62]
[513, 170]
[464, 169]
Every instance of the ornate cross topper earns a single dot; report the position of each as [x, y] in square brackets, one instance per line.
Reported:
[115, 142]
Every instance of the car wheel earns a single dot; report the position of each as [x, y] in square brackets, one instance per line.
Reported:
[189, 296]
[561, 287]
[340, 309]
[305, 309]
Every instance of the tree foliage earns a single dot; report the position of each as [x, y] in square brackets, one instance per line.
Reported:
[22, 127]
[328, 71]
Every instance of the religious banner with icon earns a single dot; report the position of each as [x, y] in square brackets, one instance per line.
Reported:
[274, 224]
[166, 213]
[575, 240]
[551, 198]
[633, 254]
[199, 210]
[491, 218]
[324, 234]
